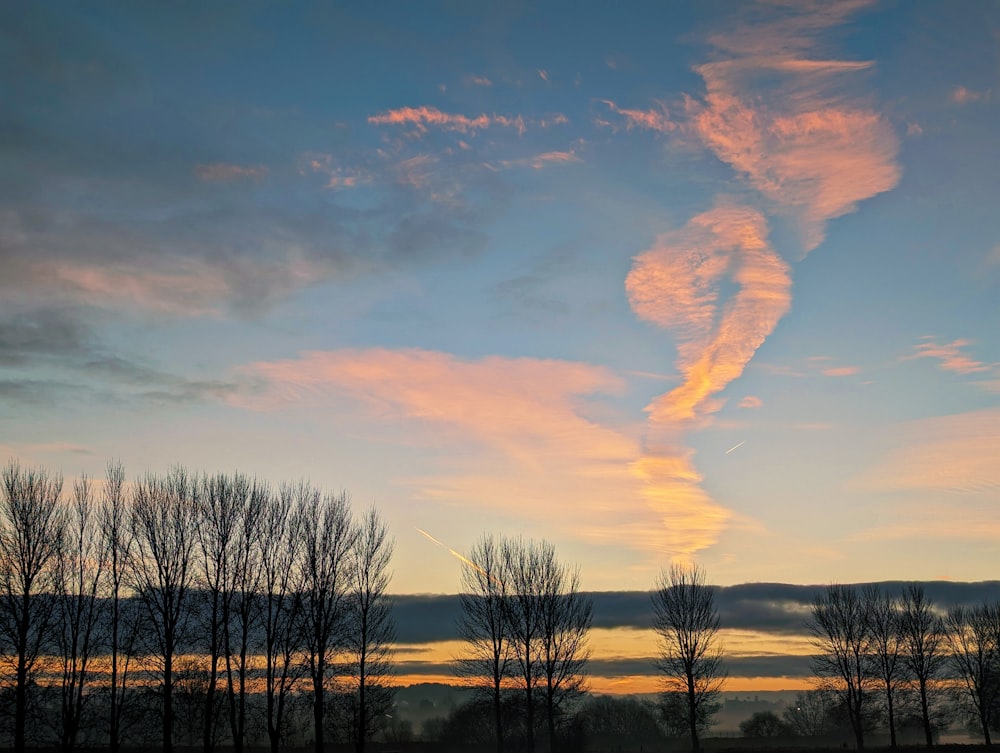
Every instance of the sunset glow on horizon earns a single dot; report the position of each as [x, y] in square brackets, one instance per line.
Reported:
[714, 283]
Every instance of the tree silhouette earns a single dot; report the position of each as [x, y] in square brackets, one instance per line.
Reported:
[687, 622]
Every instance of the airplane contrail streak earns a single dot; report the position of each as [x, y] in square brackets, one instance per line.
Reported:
[736, 447]
[448, 549]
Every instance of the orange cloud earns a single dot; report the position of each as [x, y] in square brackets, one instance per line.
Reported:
[221, 172]
[424, 116]
[526, 440]
[651, 120]
[950, 356]
[691, 519]
[676, 285]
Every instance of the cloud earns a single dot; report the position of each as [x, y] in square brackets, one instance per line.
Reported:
[955, 454]
[221, 172]
[751, 402]
[840, 371]
[962, 96]
[425, 116]
[519, 405]
[676, 285]
[545, 159]
[527, 443]
[783, 119]
[950, 356]
[474, 80]
[650, 120]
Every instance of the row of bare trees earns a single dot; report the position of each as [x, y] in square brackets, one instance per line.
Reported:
[525, 622]
[282, 591]
[875, 646]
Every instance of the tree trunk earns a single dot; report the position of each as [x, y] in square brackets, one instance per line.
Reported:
[693, 714]
[318, 709]
[892, 717]
[168, 702]
[925, 712]
[498, 714]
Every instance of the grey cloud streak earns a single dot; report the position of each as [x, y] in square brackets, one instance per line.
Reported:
[775, 608]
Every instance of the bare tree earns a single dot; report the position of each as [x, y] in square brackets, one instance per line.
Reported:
[31, 533]
[809, 715]
[162, 571]
[243, 614]
[117, 539]
[687, 622]
[483, 626]
[522, 564]
[328, 536]
[80, 575]
[924, 644]
[280, 552]
[973, 635]
[566, 615]
[371, 629]
[217, 513]
[841, 628]
[886, 649]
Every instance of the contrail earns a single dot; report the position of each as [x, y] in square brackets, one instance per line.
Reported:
[466, 560]
[736, 447]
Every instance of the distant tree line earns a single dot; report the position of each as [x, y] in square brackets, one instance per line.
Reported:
[882, 653]
[215, 603]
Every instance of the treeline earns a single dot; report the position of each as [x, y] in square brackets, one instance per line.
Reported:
[115, 603]
[883, 654]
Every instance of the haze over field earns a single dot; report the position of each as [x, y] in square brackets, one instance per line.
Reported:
[710, 282]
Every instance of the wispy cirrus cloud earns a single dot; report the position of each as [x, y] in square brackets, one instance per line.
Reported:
[523, 424]
[800, 138]
[424, 117]
[677, 284]
[950, 356]
[544, 159]
[222, 172]
[650, 120]
[956, 454]
[751, 402]
[961, 95]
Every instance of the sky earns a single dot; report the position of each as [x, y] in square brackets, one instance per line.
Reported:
[704, 282]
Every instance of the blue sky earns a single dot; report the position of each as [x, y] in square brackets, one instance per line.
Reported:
[716, 282]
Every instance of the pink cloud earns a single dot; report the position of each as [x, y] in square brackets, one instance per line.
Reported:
[651, 120]
[841, 371]
[221, 172]
[799, 138]
[963, 96]
[676, 285]
[423, 117]
[949, 355]
[479, 81]
[543, 74]
[751, 402]
[512, 432]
